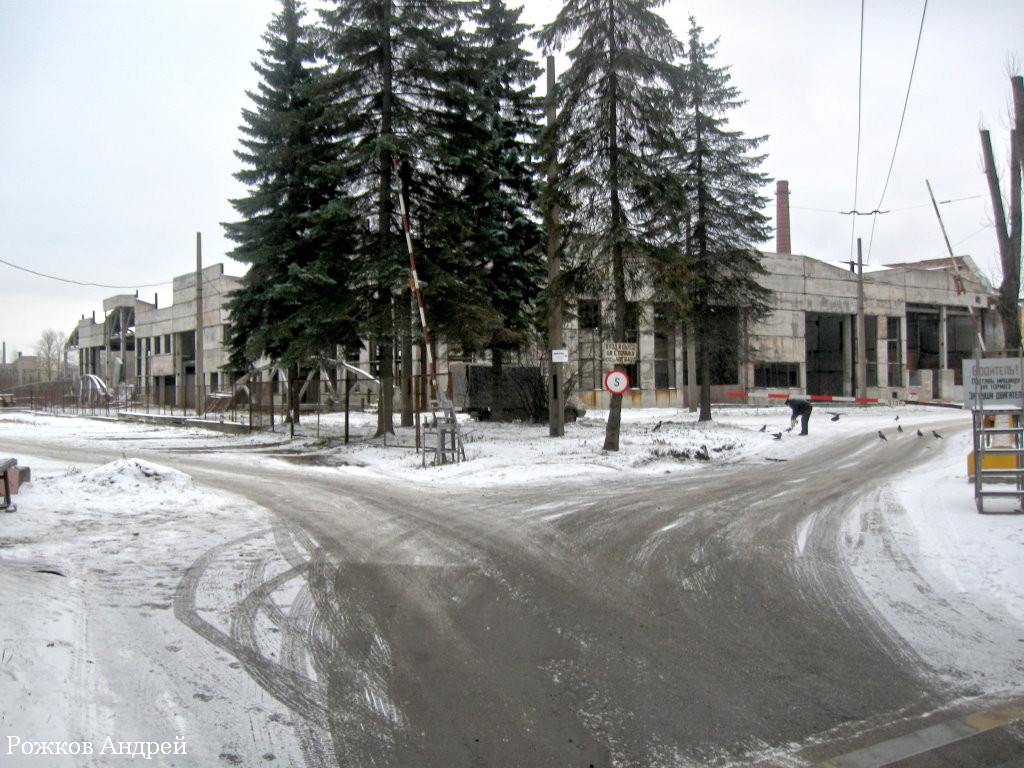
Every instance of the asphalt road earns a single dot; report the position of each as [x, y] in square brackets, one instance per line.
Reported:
[696, 620]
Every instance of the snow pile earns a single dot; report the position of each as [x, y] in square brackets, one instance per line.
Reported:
[134, 476]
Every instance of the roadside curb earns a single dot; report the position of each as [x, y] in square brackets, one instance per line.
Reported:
[933, 737]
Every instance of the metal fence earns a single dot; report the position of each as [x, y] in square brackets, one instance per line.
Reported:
[257, 405]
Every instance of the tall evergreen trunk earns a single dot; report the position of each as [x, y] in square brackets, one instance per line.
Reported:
[293, 394]
[703, 331]
[704, 355]
[623, 195]
[497, 365]
[385, 209]
[726, 209]
[613, 427]
[407, 324]
[407, 372]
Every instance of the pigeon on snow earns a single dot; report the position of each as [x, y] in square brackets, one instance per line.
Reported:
[835, 416]
[920, 433]
[899, 427]
[656, 427]
[777, 435]
[883, 436]
[763, 428]
[940, 437]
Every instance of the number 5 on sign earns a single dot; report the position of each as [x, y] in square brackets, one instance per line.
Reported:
[616, 381]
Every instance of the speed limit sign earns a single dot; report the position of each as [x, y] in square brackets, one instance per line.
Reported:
[616, 381]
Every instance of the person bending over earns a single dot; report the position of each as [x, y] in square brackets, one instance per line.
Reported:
[801, 409]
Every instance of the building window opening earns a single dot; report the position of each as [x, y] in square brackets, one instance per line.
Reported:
[960, 342]
[777, 375]
[871, 350]
[894, 347]
[922, 341]
[590, 363]
[664, 349]
[633, 313]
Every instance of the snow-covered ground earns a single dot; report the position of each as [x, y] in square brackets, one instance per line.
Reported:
[92, 544]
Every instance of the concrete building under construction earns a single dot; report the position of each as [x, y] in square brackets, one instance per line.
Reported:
[918, 321]
[153, 349]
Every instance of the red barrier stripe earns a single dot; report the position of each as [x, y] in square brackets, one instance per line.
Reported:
[821, 398]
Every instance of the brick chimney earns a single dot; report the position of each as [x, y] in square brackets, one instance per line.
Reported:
[782, 239]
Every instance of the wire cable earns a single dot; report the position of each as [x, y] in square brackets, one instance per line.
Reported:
[78, 282]
[890, 210]
[860, 101]
[899, 132]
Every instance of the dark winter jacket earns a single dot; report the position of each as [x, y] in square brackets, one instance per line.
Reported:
[799, 407]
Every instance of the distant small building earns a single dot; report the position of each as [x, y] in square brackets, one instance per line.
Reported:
[24, 369]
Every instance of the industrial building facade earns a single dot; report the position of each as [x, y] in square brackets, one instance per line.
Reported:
[152, 349]
[919, 321]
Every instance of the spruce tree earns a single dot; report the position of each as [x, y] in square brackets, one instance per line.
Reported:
[390, 62]
[616, 134]
[484, 261]
[291, 303]
[726, 211]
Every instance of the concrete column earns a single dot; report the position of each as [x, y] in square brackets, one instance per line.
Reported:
[943, 345]
[904, 378]
[848, 362]
[882, 351]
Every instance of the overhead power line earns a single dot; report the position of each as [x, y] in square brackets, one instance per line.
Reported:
[860, 94]
[906, 101]
[903, 117]
[79, 282]
[877, 212]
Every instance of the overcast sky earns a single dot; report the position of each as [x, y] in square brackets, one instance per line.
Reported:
[121, 117]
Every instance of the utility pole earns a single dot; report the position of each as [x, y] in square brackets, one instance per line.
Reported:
[862, 356]
[556, 404]
[200, 375]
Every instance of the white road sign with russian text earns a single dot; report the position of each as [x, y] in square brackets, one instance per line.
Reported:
[994, 382]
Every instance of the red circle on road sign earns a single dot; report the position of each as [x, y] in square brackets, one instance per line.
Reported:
[616, 381]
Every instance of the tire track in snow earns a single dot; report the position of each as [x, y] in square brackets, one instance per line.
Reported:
[303, 696]
[331, 665]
